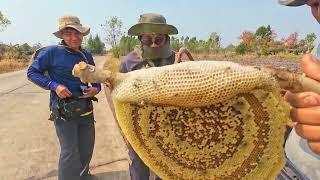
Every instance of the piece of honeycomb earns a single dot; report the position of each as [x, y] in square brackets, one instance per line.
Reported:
[204, 120]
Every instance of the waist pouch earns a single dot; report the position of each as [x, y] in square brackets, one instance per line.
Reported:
[71, 108]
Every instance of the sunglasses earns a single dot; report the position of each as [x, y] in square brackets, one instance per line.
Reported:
[148, 40]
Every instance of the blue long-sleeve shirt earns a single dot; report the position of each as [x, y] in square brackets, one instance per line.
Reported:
[58, 61]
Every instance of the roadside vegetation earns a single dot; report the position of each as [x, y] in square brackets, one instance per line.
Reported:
[260, 44]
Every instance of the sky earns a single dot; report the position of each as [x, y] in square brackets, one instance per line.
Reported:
[34, 21]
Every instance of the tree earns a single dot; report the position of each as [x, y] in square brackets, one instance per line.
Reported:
[241, 49]
[95, 45]
[127, 43]
[19, 52]
[309, 40]
[263, 40]
[176, 44]
[3, 22]
[186, 41]
[264, 34]
[307, 44]
[191, 44]
[247, 38]
[113, 30]
[291, 41]
[214, 41]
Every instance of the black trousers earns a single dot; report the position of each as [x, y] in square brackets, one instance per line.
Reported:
[138, 170]
[76, 138]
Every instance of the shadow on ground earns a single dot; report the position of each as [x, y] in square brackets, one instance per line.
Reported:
[113, 175]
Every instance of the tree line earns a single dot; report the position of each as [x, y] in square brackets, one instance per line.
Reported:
[261, 42]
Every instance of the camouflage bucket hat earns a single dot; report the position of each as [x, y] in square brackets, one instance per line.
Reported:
[72, 22]
[152, 23]
[292, 2]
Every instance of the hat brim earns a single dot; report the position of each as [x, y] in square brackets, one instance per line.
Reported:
[148, 28]
[82, 29]
[293, 3]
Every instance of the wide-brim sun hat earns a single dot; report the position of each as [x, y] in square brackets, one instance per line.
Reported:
[71, 22]
[151, 23]
[292, 2]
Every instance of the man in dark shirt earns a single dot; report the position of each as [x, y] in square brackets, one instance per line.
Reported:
[76, 133]
[154, 51]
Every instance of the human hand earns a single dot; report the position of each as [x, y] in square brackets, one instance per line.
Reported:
[306, 106]
[63, 92]
[90, 92]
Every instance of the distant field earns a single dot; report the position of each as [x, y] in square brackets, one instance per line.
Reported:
[234, 56]
[9, 65]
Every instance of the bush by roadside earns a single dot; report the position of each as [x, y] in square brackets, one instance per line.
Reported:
[9, 65]
[15, 57]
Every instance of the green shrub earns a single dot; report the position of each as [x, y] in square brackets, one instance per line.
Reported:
[127, 44]
[242, 49]
[115, 52]
[95, 45]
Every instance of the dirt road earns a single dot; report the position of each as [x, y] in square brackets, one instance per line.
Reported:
[29, 145]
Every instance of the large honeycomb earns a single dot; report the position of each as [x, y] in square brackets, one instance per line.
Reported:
[203, 120]
[190, 84]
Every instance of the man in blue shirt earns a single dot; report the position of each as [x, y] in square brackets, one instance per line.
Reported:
[70, 99]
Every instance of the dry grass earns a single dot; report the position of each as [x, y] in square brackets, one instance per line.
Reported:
[287, 56]
[8, 65]
[111, 63]
[234, 56]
